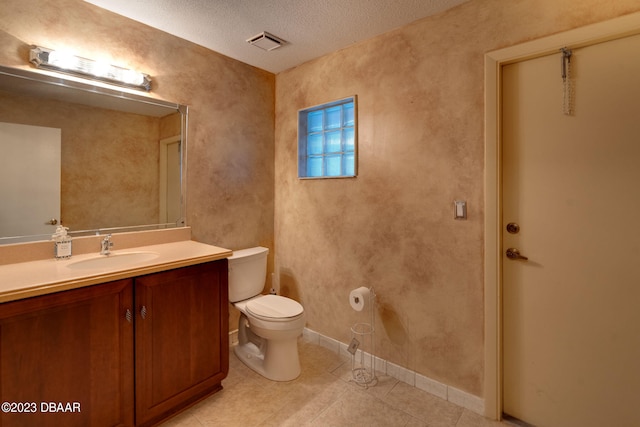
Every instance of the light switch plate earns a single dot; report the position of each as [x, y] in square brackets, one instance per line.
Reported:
[460, 209]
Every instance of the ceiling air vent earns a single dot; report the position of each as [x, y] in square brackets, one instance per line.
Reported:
[266, 41]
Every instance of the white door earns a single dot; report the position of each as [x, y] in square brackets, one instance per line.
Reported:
[29, 179]
[571, 326]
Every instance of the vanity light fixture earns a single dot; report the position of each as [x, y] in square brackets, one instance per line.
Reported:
[266, 41]
[43, 57]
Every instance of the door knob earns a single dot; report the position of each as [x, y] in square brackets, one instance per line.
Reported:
[513, 253]
[52, 221]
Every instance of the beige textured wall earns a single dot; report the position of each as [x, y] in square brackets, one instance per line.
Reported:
[420, 112]
[170, 125]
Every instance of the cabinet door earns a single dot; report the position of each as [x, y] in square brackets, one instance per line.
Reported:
[68, 358]
[182, 344]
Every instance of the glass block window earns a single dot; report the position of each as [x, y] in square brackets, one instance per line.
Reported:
[327, 140]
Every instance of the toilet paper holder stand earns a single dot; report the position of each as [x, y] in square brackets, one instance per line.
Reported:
[361, 347]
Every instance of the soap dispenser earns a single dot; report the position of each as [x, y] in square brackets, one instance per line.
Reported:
[62, 242]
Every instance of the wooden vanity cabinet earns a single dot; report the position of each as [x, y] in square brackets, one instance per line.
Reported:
[181, 338]
[67, 358]
[129, 352]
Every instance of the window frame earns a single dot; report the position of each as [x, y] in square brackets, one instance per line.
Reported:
[303, 134]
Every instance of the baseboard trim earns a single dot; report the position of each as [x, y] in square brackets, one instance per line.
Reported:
[441, 390]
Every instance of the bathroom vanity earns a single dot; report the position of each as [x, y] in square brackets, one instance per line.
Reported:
[119, 340]
[84, 342]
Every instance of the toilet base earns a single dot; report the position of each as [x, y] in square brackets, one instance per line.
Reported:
[274, 360]
[274, 357]
[282, 361]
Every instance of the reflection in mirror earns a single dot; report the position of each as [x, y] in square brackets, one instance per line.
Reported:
[89, 157]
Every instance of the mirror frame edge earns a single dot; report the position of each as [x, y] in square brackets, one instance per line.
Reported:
[96, 88]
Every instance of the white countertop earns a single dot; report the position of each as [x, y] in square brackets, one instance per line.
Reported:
[28, 279]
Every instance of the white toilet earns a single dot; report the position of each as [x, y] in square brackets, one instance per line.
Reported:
[269, 325]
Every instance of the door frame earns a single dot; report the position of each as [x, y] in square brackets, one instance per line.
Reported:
[163, 166]
[623, 26]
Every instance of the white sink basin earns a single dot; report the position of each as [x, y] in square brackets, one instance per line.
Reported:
[115, 260]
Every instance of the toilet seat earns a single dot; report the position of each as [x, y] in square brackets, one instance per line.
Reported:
[274, 308]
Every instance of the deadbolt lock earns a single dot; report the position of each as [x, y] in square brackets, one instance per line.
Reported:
[513, 228]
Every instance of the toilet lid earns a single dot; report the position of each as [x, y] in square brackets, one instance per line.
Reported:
[274, 306]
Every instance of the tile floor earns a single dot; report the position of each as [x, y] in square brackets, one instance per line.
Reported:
[323, 395]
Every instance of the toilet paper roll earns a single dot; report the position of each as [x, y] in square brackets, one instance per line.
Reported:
[359, 298]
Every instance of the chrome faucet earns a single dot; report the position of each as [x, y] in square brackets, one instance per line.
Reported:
[105, 245]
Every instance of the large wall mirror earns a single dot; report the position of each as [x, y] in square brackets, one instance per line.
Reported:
[93, 158]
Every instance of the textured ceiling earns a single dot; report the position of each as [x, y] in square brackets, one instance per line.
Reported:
[312, 28]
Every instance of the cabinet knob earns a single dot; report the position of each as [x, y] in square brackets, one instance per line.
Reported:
[127, 315]
[143, 312]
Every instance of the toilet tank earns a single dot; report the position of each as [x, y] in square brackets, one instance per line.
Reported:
[247, 273]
